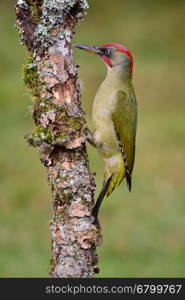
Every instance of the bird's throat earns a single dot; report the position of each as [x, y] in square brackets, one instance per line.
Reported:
[119, 73]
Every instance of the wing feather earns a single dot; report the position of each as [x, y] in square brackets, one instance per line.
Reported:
[124, 119]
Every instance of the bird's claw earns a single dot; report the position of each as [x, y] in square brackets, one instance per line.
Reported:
[89, 136]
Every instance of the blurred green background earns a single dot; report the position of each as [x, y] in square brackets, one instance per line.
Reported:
[143, 232]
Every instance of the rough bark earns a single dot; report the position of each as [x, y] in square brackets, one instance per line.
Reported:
[46, 27]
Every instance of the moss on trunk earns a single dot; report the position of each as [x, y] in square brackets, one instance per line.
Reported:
[46, 28]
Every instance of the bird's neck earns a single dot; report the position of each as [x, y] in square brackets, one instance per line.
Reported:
[119, 74]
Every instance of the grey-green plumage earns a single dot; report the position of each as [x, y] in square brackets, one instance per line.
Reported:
[115, 117]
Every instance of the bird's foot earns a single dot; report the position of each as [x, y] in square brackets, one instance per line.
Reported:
[89, 137]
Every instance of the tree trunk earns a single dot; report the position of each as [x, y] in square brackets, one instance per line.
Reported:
[46, 27]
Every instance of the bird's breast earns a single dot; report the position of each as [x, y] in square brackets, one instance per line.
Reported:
[104, 133]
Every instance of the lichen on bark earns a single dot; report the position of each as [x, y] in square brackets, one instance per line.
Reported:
[46, 28]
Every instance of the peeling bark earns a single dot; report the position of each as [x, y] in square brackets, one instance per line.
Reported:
[46, 27]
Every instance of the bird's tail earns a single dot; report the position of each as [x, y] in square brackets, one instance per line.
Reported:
[100, 199]
[109, 185]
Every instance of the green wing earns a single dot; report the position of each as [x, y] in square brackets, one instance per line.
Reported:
[125, 121]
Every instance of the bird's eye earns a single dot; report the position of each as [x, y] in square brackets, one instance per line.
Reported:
[107, 51]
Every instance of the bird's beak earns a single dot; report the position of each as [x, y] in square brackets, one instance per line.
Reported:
[90, 49]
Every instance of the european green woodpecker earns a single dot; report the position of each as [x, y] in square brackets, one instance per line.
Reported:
[114, 118]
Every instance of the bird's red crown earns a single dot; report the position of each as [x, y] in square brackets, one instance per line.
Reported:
[122, 49]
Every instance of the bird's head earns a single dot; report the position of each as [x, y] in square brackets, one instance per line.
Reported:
[113, 54]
